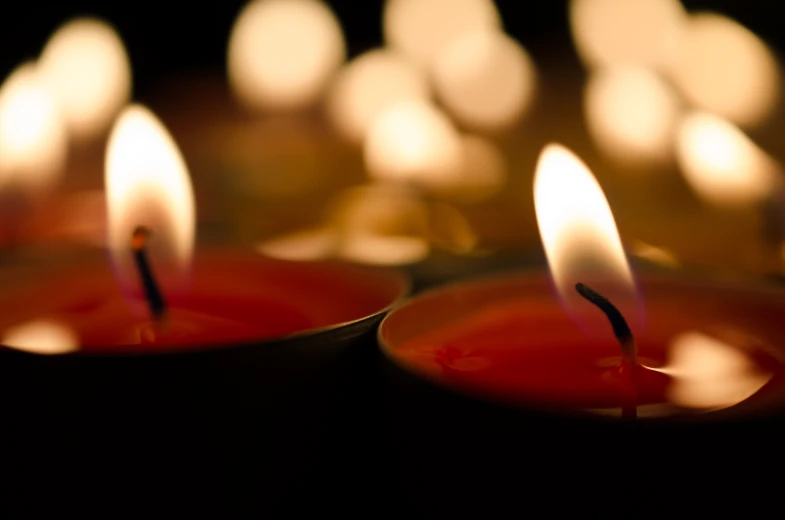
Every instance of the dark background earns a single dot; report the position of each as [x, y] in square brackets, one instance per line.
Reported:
[168, 39]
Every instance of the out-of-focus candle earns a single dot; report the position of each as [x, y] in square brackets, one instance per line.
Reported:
[33, 146]
[282, 53]
[368, 85]
[86, 66]
[723, 67]
[421, 28]
[485, 78]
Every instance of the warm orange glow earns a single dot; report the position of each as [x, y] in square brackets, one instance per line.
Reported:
[624, 32]
[579, 233]
[657, 255]
[379, 209]
[413, 142]
[483, 174]
[86, 65]
[721, 163]
[282, 53]
[485, 79]
[147, 184]
[631, 114]
[709, 374]
[41, 337]
[33, 139]
[725, 68]
[310, 244]
[383, 249]
[421, 28]
[368, 85]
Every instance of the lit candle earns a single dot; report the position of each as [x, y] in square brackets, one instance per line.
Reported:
[509, 339]
[164, 374]
[497, 394]
[222, 298]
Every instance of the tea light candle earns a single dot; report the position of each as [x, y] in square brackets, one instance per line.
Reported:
[705, 347]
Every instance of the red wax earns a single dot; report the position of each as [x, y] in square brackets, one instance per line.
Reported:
[508, 339]
[231, 298]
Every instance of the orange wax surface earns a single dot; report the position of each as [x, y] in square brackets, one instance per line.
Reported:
[231, 298]
[704, 347]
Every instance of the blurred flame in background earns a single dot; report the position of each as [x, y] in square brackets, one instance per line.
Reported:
[642, 33]
[485, 79]
[413, 142]
[33, 138]
[421, 28]
[482, 175]
[41, 337]
[722, 164]
[709, 374]
[282, 53]
[631, 113]
[87, 67]
[368, 85]
[723, 67]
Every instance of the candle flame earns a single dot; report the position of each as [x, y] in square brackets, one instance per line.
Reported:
[33, 137]
[147, 184]
[579, 235]
[721, 163]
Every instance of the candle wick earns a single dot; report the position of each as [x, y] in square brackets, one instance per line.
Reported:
[620, 328]
[629, 367]
[155, 300]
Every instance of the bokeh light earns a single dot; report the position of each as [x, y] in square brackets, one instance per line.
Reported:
[485, 79]
[368, 85]
[87, 67]
[724, 68]
[721, 163]
[623, 32]
[303, 245]
[282, 53]
[631, 114]
[482, 175]
[33, 137]
[421, 28]
[414, 142]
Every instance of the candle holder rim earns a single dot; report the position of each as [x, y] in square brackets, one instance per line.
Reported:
[402, 282]
[530, 272]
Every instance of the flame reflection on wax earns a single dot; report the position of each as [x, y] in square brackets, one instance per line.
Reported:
[709, 374]
[41, 337]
